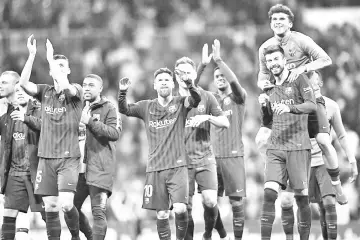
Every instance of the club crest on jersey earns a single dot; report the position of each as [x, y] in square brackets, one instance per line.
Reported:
[227, 101]
[96, 117]
[292, 49]
[201, 108]
[288, 91]
[172, 108]
[62, 97]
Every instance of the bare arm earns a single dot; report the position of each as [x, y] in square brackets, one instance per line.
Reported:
[320, 58]
[264, 74]
[28, 86]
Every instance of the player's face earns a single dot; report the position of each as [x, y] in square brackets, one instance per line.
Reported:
[61, 67]
[220, 81]
[190, 72]
[92, 89]
[275, 62]
[7, 85]
[22, 97]
[280, 23]
[164, 84]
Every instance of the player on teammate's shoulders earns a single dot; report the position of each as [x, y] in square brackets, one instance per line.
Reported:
[201, 159]
[288, 147]
[167, 183]
[103, 127]
[59, 150]
[303, 56]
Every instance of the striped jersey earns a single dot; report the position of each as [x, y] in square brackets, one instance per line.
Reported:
[289, 130]
[227, 142]
[197, 139]
[60, 114]
[164, 130]
[20, 157]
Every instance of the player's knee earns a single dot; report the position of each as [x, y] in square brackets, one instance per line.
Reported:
[66, 200]
[270, 195]
[10, 213]
[179, 208]
[209, 198]
[235, 201]
[287, 200]
[328, 200]
[163, 214]
[323, 139]
[51, 204]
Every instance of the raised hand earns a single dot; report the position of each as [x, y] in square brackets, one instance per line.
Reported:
[205, 57]
[294, 73]
[124, 84]
[216, 50]
[49, 50]
[31, 45]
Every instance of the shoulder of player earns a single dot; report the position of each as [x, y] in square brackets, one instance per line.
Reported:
[300, 37]
[331, 104]
[269, 42]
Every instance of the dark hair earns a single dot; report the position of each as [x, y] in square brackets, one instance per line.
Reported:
[94, 76]
[185, 60]
[59, 56]
[163, 70]
[273, 48]
[216, 68]
[280, 8]
[13, 74]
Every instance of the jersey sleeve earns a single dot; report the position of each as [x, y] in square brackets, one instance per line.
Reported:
[214, 106]
[137, 109]
[305, 89]
[79, 91]
[41, 88]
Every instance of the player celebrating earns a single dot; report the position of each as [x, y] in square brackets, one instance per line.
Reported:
[288, 154]
[227, 142]
[303, 56]
[167, 181]
[201, 159]
[59, 151]
[103, 129]
[19, 129]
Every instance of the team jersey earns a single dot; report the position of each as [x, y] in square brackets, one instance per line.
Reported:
[164, 130]
[197, 139]
[289, 130]
[299, 50]
[60, 114]
[20, 157]
[227, 142]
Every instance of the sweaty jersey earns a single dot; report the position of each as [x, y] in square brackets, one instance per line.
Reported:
[289, 130]
[165, 127]
[60, 114]
[197, 139]
[227, 142]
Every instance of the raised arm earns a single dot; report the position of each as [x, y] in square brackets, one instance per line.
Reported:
[264, 74]
[132, 109]
[28, 86]
[230, 76]
[205, 60]
[337, 123]
[320, 58]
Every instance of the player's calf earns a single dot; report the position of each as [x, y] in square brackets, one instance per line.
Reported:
[211, 210]
[268, 209]
[162, 224]
[181, 220]
[287, 214]
[98, 207]
[237, 206]
[328, 203]
[304, 224]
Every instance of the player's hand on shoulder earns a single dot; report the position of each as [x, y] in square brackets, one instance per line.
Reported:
[263, 99]
[294, 73]
[265, 85]
[281, 108]
[31, 45]
[205, 57]
[216, 51]
[124, 84]
[18, 115]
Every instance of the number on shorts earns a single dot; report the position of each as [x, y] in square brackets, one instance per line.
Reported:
[38, 176]
[148, 189]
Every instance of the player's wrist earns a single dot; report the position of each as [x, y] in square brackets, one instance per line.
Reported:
[218, 60]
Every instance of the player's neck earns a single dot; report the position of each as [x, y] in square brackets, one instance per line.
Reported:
[164, 101]
[282, 77]
[225, 92]
[184, 91]
[283, 36]
[11, 98]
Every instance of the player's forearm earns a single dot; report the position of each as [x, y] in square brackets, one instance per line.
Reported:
[124, 107]
[346, 147]
[71, 89]
[319, 63]
[28, 86]
[200, 71]
[195, 97]
[306, 107]
[100, 129]
[33, 122]
[219, 121]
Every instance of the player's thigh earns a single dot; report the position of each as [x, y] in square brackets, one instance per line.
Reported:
[68, 174]
[298, 168]
[313, 125]
[314, 191]
[233, 175]
[275, 167]
[36, 203]
[82, 191]
[324, 182]
[178, 185]
[221, 186]
[206, 177]
[191, 175]
[46, 177]
[16, 195]
[155, 194]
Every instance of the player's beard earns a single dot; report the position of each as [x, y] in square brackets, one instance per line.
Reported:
[165, 92]
[278, 73]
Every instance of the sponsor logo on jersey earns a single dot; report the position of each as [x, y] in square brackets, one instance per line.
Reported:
[52, 110]
[228, 112]
[307, 89]
[227, 101]
[283, 101]
[172, 108]
[18, 136]
[292, 49]
[288, 91]
[201, 108]
[161, 123]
